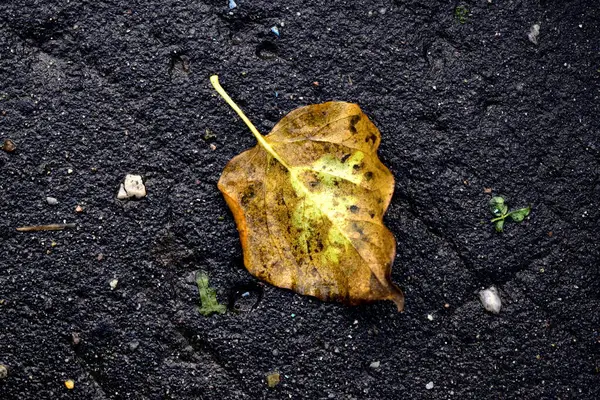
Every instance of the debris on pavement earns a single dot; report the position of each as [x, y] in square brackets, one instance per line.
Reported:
[52, 201]
[8, 146]
[113, 284]
[3, 371]
[534, 33]
[375, 364]
[133, 186]
[429, 386]
[499, 208]
[69, 384]
[461, 13]
[51, 227]
[490, 299]
[273, 379]
[208, 297]
[75, 339]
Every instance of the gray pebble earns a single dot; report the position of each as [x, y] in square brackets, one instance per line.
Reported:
[52, 201]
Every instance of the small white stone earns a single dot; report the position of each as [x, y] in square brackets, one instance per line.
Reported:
[132, 187]
[375, 364]
[113, 284]
[430, 317]
[534, 33]
[52, 201]
[429, 386]
[69, 171]
[490, 299]
[122, 195]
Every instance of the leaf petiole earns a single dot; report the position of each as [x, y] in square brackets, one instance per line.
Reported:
[500, 218]
[265, 145]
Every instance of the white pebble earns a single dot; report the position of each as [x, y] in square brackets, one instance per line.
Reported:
[490, 299]
[52, 201]
[429, 386]
[122, 193]
[375, 364]
[113, 284]
[132, 187]
[534, 33]
[430, 317]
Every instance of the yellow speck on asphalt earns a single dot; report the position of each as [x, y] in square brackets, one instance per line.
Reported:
[273, 379]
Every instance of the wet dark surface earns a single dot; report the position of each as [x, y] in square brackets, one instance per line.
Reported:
[105, 89]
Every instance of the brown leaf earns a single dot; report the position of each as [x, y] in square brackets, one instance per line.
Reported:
[308, 202]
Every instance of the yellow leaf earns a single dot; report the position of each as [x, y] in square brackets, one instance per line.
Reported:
[308, 202]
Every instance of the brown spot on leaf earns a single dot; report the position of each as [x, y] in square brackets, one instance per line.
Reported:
[353, 121]
[248, 195]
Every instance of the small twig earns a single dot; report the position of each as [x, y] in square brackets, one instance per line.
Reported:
[51, 227]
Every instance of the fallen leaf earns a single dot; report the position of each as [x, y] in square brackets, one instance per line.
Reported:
[308, 202]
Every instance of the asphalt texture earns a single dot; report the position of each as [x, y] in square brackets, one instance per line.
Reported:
[468, 107]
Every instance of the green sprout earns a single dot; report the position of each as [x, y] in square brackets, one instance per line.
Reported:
[461, 13]
[209, 135]
[208, 297]
[500, 210]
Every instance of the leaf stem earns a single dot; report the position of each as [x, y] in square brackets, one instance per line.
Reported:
[500, 218]
[261, 140]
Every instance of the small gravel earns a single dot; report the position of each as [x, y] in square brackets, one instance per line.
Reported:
[3, 372]
[490, 299]
[534, 33]
[133, 186]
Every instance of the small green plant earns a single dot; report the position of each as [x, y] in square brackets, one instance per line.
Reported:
[208, 297]
[461, 13]
[209, 135]
[499, 208]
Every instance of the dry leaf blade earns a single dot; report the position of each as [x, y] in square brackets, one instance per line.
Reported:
[308, 202]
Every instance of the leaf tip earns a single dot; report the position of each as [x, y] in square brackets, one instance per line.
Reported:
[398, 298]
